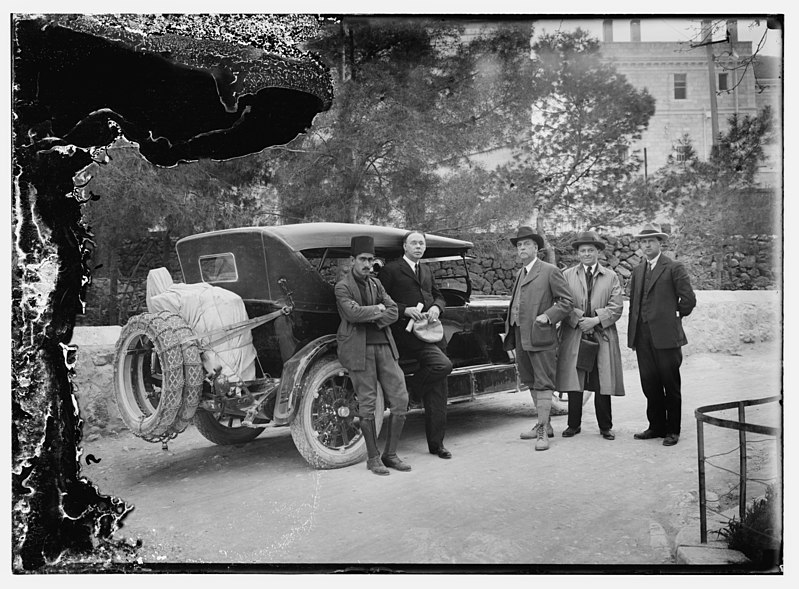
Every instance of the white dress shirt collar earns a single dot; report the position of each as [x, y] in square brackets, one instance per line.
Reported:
[410, 263]
[653, 262]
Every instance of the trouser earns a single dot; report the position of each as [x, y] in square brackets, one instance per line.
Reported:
[537, 371]
[659, 370]
[430, 382]
[381, 367]
[601, 407]
[601, 402]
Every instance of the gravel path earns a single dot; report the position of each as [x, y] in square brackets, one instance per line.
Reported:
[585, 501]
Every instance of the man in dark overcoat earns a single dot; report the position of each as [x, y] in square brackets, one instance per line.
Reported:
[410, 283]
[367, 349]
[660, 296]
[540, 299]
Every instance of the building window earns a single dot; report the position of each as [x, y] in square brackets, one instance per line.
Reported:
[680, 86]
[724, 81]
[682, 152]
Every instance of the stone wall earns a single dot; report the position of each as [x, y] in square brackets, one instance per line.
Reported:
[745, 263]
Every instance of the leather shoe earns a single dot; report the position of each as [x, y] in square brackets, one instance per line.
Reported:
[396, 463]
[571, 431]
[671, 439]
[607, 434]
[647, 434]
[533, 433]
[442, 452]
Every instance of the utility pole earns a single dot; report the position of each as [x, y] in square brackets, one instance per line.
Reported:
[707, 41]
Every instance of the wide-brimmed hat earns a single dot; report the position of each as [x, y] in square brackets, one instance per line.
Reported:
[588, 238]
[526, 232]
[362, 244]
[427, 331]
[652, 230]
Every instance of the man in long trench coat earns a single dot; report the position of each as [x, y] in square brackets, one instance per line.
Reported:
[598, 305]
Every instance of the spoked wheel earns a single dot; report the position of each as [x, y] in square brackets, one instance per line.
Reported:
[224, 429]
[148, 375]
[326, 429]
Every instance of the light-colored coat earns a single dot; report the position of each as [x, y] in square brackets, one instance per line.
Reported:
[607, 304]
[351, 335]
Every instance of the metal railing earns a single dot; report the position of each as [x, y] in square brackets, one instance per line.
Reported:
[743, 428]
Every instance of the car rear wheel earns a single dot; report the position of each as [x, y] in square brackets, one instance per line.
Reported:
[224, 429]
[326, 429]
[152, 362]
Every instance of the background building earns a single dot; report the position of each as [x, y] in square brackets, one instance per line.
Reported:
[676, 74]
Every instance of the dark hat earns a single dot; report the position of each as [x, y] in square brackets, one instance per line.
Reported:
[588, 238]
[651, 230]
[362, 244]
[526, 232]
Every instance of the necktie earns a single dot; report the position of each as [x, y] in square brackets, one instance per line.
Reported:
[589, 282]
[416, 271]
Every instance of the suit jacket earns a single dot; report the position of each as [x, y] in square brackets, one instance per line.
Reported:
[543, 290]
[351, 335]
[669, 299]
[402, 286]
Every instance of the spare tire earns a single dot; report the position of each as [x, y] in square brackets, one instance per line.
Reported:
[150, 385]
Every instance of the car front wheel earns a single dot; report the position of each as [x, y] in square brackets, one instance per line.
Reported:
[326, 429]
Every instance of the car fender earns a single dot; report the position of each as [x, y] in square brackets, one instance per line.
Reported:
[294, 371]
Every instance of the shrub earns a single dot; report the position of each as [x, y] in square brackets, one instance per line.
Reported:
[759, 534]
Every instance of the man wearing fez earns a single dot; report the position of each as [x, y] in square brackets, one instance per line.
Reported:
[540, 299]
[598, 305]
[660, 296]
[411, 284]
[367, 349]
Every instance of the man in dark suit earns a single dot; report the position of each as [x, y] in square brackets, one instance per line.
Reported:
[411, 285]
[367, 349]
[541, 297]
[660, 296]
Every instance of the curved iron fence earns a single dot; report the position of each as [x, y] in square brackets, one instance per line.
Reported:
[743, 428]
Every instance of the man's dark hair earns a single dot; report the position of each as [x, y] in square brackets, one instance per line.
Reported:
[409, 233]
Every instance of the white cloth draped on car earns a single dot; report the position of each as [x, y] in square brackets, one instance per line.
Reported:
[207, 308]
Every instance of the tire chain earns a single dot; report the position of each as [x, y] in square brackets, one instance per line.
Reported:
[193, 372]
[167, 346]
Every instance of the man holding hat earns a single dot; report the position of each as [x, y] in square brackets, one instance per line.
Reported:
[598, 305]
[660, 296]
[540, 299]
[411, 284]
[367, 349]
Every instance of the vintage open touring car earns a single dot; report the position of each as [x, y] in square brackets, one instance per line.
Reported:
[284, 276]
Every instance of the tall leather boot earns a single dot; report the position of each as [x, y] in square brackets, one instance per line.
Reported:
[544, 406]
[373, 454]
[390, 458]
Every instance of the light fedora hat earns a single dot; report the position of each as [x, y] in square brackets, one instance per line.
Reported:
[652, 230]
[428, 332]
[588, 238]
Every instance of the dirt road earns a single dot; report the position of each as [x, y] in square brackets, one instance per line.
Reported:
[584, 501]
